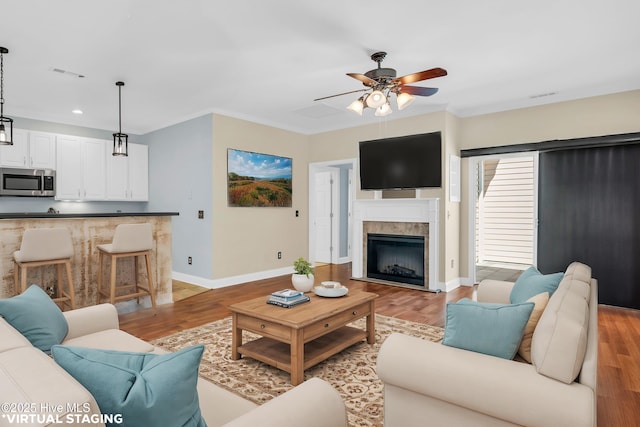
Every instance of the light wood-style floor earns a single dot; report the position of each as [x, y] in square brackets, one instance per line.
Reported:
[619, 329]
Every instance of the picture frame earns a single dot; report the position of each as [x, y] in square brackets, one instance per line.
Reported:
[258, 179]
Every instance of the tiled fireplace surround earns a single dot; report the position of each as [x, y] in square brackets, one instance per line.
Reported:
[397, 216]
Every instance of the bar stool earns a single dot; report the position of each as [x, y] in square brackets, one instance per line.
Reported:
[46, 246]
[129, 240]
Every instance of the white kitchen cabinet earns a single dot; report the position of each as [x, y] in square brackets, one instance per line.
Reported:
[69, 171]
[81, 168]
[138, 172]
[42, 150]
[117, 175]
[94, 169]
[15, 156]
[29, 150]
[128, 177]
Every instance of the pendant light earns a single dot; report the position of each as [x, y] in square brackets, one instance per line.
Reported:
[120, 140]
[6, 135]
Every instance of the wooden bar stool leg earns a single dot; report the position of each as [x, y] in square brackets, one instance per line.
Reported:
[72, 292]
[59, 289]
[23, 278]
[135, 276]
[99, 277]
[16, 279]
[150, 278]
[114, 262]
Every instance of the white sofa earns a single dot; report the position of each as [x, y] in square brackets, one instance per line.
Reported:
[30, 380]
[432, 384]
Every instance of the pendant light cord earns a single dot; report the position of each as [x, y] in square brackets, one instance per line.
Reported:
[1, 84]
[120, 109]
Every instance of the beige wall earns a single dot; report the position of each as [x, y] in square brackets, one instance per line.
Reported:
[597, 116]
[601, 115]
[247, 240]
[451, 210]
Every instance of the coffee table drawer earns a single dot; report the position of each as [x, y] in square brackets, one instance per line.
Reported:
[264, 328]
[336, 321]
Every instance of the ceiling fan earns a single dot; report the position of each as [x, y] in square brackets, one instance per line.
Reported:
[382, 82]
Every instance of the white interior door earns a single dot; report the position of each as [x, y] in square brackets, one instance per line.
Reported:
[324, 215]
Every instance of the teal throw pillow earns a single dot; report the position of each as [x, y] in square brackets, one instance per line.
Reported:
[34, 314]
[531, 283]
[493, 329]
[145, 389]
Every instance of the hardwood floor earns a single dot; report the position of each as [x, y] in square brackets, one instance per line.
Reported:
[619, 329]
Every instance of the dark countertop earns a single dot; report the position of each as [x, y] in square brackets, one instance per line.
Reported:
[40, 215]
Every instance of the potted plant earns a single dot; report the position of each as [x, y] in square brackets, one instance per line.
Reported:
[302, 278]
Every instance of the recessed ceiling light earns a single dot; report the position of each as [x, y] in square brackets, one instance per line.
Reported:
[76, 111]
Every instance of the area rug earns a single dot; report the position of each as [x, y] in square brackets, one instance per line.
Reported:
[351, 372]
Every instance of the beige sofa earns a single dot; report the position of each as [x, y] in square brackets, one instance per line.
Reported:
[31, 381]
[432, 384]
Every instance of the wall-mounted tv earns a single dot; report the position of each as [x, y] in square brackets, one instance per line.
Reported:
[413, 161]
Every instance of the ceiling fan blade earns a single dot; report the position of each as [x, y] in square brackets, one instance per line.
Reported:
[340, 94]
[364, 79]
[422, 75]
[420, 91]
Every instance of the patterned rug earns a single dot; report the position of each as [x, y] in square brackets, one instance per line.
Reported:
[351, 372]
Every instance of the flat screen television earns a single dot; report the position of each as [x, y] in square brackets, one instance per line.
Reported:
[413, 161]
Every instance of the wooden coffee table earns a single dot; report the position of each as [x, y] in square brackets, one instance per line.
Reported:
[297, 338]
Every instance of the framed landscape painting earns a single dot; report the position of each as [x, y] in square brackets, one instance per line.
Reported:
[255, 179]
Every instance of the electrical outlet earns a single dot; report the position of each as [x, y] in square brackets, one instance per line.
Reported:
[451, 263]
[279, 255]
[200, 214]
[189, 261]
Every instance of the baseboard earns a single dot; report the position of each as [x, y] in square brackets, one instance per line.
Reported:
[233, 280]
[466, 281]
[250, 277]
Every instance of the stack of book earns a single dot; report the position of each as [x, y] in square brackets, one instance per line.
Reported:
[287, 298]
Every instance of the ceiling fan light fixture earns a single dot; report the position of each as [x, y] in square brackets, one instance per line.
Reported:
[6, 123]
[381, 83]
[357, 106]
[404, 100]
[376, 99]
[383, 110]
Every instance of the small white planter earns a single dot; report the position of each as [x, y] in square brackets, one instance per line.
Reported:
[301, 282]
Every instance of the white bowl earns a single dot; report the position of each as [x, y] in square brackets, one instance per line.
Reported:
[331, 284]
[330, 292]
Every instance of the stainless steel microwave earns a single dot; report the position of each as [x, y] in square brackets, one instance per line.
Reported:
[27, 182]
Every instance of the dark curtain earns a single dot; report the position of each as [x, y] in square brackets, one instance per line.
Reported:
[589, 211]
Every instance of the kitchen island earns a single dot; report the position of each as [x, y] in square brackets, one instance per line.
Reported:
[87, 231]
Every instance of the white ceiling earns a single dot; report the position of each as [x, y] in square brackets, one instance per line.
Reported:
[266, 60]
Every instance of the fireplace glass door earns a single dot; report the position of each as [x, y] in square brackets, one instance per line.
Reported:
[396, 258]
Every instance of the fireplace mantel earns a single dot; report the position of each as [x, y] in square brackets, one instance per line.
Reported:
[396, 210]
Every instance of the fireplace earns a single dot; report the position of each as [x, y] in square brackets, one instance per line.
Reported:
[396, 258]
[399, 217]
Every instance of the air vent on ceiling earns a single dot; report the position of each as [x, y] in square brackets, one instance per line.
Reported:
[70, 73]
[542, 95]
